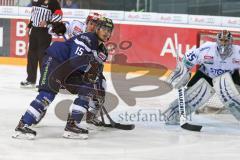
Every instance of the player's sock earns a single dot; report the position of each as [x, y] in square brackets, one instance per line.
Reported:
[38, 107]
[43, 113]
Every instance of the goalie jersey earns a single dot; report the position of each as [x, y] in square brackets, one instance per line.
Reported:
[210, 62]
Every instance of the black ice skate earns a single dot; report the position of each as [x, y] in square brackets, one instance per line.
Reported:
[26, 84]
[73, 131]
[93, 122]
[22, 131]
[92, 119]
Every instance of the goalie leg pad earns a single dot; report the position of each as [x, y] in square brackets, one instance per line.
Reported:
[195, 97]
[179, 77]
[228, 93]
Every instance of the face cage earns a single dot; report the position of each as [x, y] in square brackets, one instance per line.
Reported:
[104, 27]
[224, 49]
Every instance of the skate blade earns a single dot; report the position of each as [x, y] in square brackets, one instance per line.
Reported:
[92, 127]
[19, 135]
[71, 135]
[28, 87]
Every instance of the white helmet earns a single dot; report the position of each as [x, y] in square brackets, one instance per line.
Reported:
[224, 43]
[93, 16]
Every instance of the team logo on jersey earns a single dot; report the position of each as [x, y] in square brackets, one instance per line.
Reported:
[102, 56]
[218, 71]
[77, 29]
[236, 61]
[208, 59]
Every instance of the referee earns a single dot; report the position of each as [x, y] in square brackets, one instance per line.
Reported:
[44, 12]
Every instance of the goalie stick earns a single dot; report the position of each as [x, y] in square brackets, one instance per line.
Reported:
[181, 100]
[182, 113]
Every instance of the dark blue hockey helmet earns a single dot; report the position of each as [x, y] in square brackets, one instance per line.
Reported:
[105, 22]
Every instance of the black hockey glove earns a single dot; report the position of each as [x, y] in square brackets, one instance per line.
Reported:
[92, 74]
[103, 50]
[99, 97]
[59, 28]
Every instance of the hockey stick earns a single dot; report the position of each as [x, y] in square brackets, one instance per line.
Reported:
[59, 75]
[181, 100]
[182, 113]
[112, 123]
[117, 125]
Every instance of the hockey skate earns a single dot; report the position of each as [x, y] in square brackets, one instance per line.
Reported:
[73, 131]
[93, 122]
[22, 131]
[26, 84]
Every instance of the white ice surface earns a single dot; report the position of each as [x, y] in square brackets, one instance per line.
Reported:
[219, 139]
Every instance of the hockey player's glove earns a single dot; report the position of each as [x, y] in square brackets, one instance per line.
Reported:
[99, 97]
[58, 28]
[91, 75]
[102, 49]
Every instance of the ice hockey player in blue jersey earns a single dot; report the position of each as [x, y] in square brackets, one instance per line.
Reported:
[76, 64]
[74, 28]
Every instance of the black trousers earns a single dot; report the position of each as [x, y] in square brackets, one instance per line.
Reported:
[39, 41]
[199, 75]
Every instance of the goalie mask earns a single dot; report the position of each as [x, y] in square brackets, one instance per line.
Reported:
[224, 43]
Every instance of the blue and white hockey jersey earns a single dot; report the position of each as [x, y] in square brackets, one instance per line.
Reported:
[84, 44]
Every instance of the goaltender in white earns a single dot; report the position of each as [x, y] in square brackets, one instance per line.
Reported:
[219, 72]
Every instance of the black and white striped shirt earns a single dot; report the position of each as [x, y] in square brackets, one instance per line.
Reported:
[45, 10]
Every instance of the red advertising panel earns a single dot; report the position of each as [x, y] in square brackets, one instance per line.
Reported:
[154, 44]
[137, 44]
[19, 38]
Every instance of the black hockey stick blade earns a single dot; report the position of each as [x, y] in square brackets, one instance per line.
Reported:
[191, 127]
[124, 126]
[120, 126]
